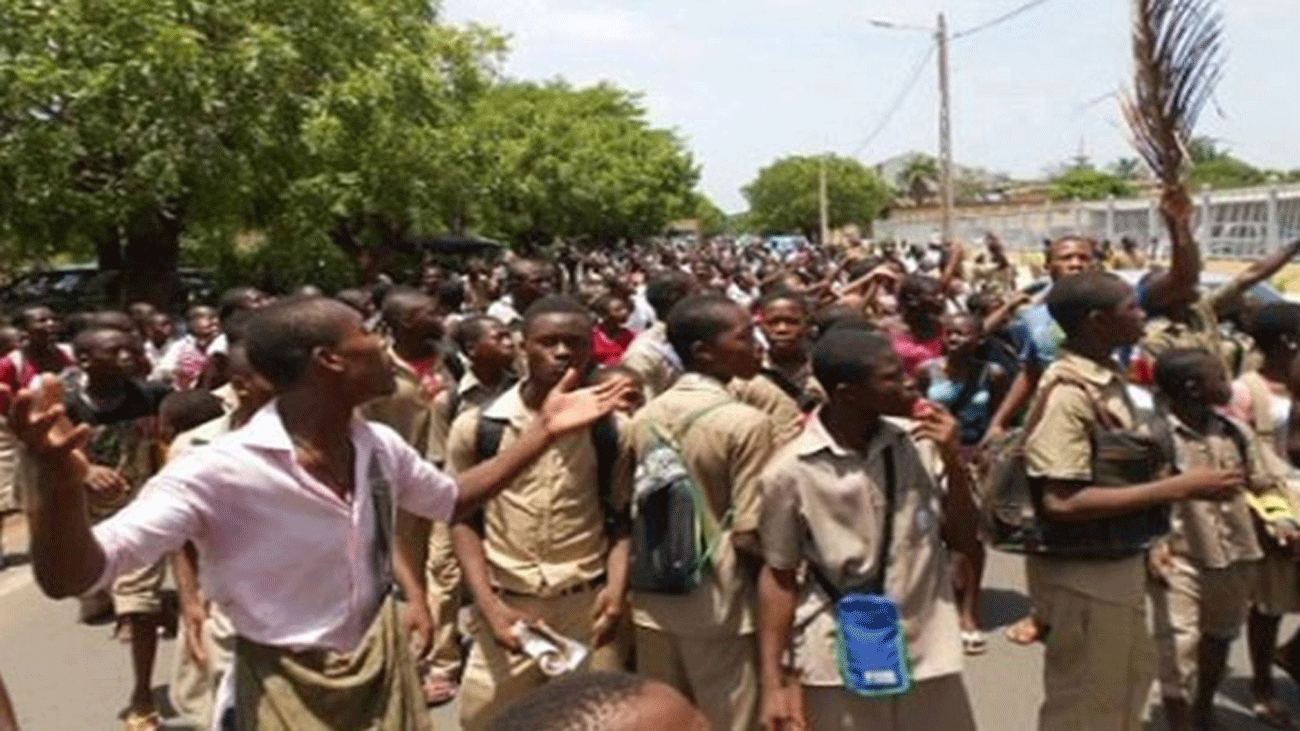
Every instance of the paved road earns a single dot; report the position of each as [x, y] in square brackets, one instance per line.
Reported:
[68, 677]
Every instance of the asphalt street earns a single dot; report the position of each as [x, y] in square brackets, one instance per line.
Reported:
[64, 676]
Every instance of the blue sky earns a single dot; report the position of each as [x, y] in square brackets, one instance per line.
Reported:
[747, 82]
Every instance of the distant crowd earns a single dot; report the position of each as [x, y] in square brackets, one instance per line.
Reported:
[706, 486]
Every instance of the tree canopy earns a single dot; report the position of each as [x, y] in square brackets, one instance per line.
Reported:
[784, 197]
[1082, 181]
[129, 127]
[580, 164]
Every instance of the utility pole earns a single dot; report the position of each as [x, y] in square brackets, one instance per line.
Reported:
[945, 131]
[825, 206]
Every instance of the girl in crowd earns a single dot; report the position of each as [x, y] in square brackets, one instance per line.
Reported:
[970, 388]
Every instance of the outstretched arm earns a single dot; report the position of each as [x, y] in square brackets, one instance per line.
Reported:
[564, 411]
[1180, 281]
[1257, 272]
[66, 558]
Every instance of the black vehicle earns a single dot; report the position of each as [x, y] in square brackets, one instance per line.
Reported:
[87, 287]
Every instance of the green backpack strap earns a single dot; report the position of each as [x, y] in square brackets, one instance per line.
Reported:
[711, 530]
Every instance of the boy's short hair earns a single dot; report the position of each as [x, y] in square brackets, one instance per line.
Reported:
[783, 294]
[89, 338]
[399, 302]
[282, 336]
[1174, 367]
[578, 702]
[847, 355]
[699, 319]
[470, 330]
[837, 316]
[665, 290]
[1073, 298]
[181, 411]
[1274, 324]
[555, 304]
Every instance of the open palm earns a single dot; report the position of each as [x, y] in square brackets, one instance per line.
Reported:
[566, 409]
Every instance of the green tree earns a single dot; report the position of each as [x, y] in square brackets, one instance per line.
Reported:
[784, 197]
[713, 220]
[1126, 168]
[1204, 149]
[919, 176]
[128, 125]
[1226, 172]
[1084, 182]
[583, 165]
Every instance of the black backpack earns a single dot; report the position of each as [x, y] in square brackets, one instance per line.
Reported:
[604, 438]
[674, 534]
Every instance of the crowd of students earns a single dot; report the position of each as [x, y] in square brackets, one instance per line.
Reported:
[332, 480]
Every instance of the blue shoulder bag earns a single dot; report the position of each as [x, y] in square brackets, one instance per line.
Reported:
[870, 639]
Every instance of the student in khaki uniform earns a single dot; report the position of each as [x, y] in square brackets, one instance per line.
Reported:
[1206, 568]
[785, 388]
[490, 348]
[651, 356]
[1099, 660]
[545, 549]
[824, 504]
[414, 324]
[1181, 317]
[703, 642]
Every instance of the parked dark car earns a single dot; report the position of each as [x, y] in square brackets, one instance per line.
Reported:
[86, 287]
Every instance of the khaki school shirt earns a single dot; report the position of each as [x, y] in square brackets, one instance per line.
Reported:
[546, 531]
[1059, 447]
[825, 505]
[1202, 331]
[1216, 534]
[408, 410]
[649, 357]
[761, 393]
[473, 394]
[724, 451]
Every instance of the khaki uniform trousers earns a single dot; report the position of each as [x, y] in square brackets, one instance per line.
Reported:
[1099, 663]
[935, 704]
[140, 591]
[193, 689]
[442, 577]
[495, 677]
[719, 675]
[1190, 603]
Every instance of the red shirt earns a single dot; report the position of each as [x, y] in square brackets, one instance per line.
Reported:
[17, 371]
[915, 352]
[608, 350]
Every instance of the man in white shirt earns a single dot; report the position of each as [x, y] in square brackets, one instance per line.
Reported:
[293, 551]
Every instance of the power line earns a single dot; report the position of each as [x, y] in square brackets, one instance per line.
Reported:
[898, 101]
[1000, 19]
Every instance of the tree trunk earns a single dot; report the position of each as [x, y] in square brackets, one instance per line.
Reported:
[150, 259]
[108, 254]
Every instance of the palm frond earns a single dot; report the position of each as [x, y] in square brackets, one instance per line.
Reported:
[1178, 60]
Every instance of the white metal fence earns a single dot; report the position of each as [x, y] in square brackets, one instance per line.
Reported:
[1230, 224]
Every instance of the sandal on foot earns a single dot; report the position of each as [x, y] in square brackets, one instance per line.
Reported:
[439, 690]
[1272, 713]
[136, 721]
[1024, 632]
[973, 642]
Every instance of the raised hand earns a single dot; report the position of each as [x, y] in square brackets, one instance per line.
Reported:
[38, 420]
[938, 425]
[566, 410]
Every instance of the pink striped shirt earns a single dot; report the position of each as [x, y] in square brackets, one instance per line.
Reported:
[291, 563]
